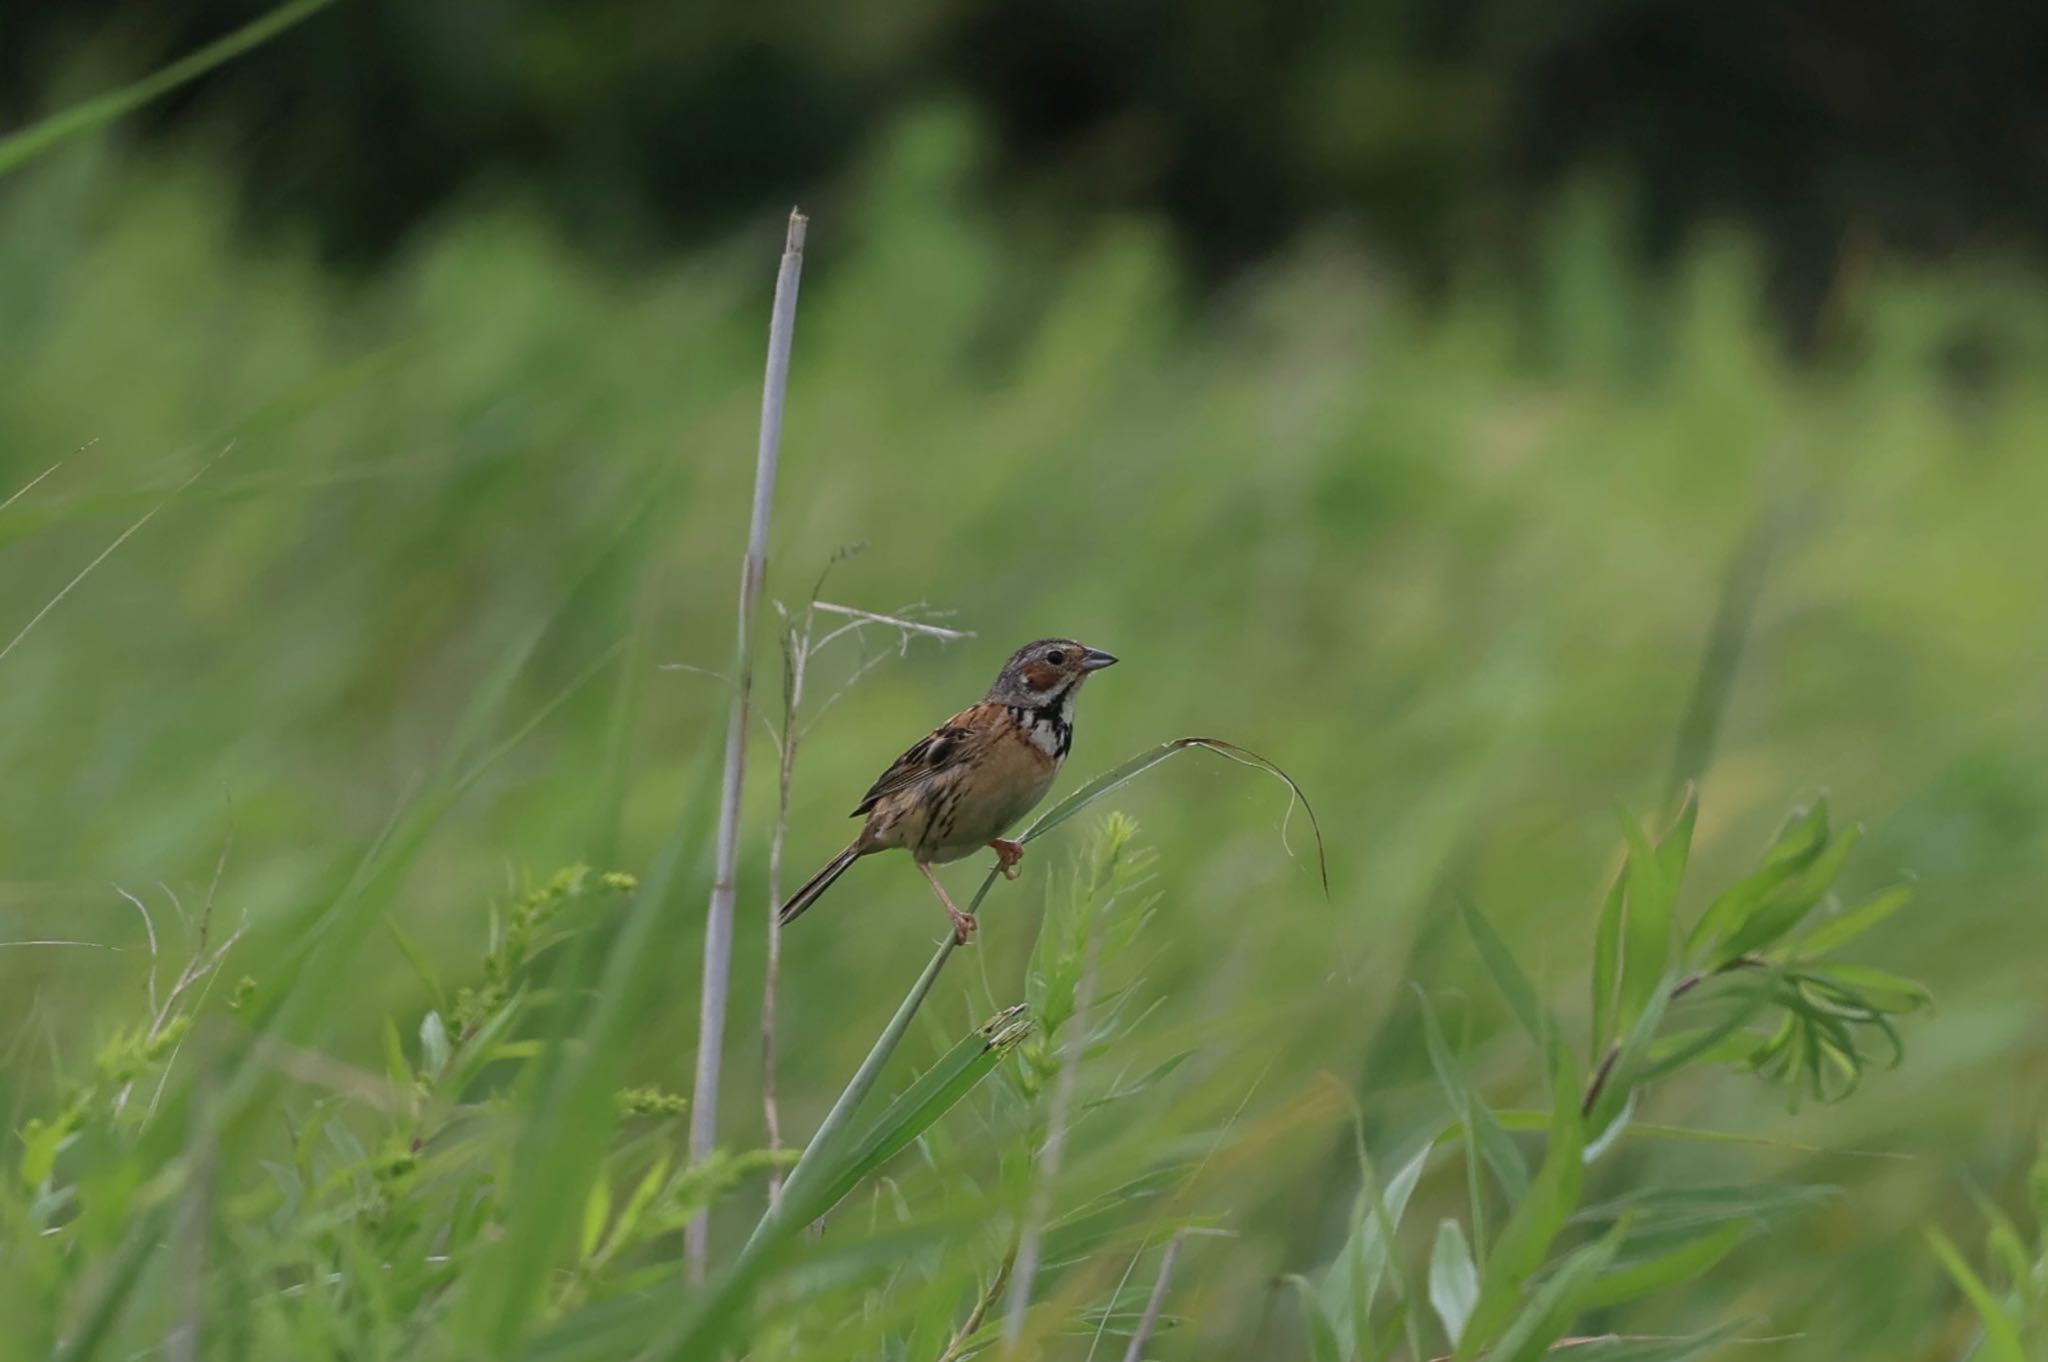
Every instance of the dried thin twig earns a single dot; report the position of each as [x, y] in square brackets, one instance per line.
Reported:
[801, 644]
[724, 885]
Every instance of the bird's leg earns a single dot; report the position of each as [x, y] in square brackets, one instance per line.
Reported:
[1007, 856]
[963, 923]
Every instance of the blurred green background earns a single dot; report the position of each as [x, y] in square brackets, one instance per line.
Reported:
[1393, 400]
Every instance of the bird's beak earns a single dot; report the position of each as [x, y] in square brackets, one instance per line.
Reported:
[1094, 660]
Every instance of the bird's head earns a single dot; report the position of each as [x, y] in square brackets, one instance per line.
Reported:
[1046, 672]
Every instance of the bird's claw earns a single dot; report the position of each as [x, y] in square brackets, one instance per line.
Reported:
[963, 926]
[1007, 856]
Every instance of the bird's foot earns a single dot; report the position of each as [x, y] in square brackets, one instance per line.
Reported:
[1007, 856]
[963, 925]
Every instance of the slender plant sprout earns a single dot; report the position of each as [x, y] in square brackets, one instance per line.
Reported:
[719, 912]
[1029, 1240]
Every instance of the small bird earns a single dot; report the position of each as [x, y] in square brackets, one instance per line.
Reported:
[964, 784]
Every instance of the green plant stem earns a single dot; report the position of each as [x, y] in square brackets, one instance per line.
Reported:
[814, 1166]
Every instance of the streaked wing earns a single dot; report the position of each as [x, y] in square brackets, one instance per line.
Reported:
[945, 746]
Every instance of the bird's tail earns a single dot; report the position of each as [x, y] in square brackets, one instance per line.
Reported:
[817, 885]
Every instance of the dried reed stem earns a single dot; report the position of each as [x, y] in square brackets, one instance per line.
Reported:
[796, 657]
[1150, 1321]
[719, 912]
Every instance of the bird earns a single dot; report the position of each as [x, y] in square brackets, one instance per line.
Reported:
[968, 781]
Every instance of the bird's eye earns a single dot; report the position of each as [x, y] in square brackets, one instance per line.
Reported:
[1057, 657]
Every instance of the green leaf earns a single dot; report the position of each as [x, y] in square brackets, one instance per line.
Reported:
[1799, 841]
[2001, 1331]
[1607, 964]
[597, 1210]
[395, 1067]
[1674, 849]
[1647, 937]
[1835, 932]
[1453, 1279]
[1557, 1302]
[935, 1092]
[1494, 1144]
[1789, 904]
[1507, 975]
[1880, 990]
[1352, 1284]
[415, 957]
[1529, 1232]
[1681, 1264]
[1671, 1210]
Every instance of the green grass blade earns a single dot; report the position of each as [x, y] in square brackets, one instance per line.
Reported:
[38, 138]
[1680, 1265]
[935, 1092]
[1529, 1232]
[1553, 1305]
[1793, 900]
[1838, 931]
[2001, 1332]
[1494, 1143]
[1802, 838]
[1607, 965]
[1646, 926]
[1507, 975]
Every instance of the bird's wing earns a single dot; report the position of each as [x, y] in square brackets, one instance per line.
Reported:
[945, 746]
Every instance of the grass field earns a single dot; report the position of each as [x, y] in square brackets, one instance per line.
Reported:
[435, 598]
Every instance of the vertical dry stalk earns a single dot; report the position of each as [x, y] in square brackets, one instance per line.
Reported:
[1049, 1154]
[800, 644]
[719, 912]
[796, 656]
[1136, 1352]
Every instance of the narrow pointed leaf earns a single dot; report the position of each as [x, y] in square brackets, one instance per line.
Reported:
[1835, 932]
[1514, 985]
[1681, 1264]
[2001, 1333]
[1494, 1144]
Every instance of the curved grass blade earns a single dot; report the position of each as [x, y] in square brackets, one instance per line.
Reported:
[2001, 1335]
[1130, 770]
[39, 137]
